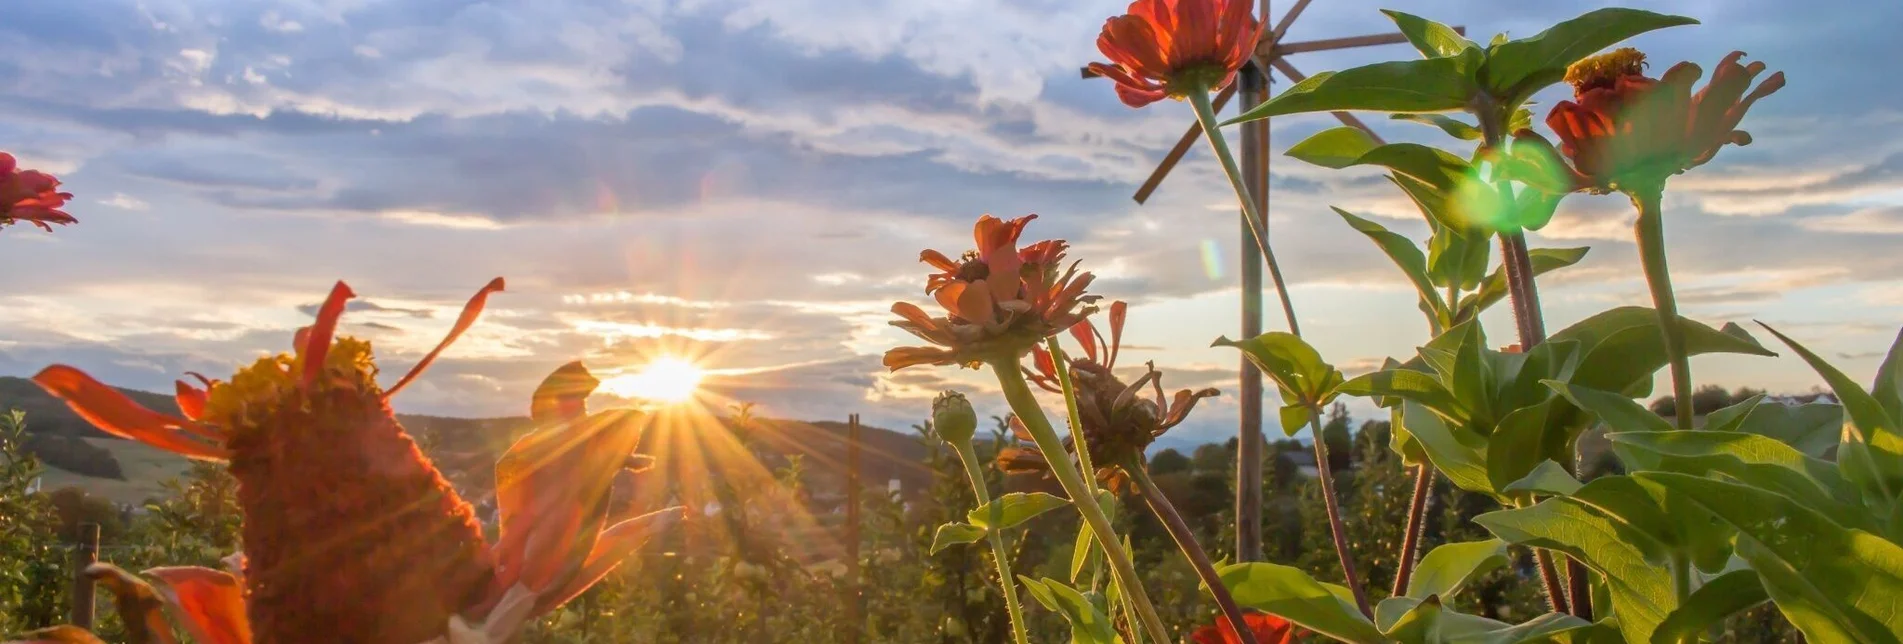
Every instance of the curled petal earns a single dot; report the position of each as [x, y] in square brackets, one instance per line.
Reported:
[563, 395]
[210, 603]
[314, 344]
[468, 317]
[1118, 311]
[552, 489]
[1185, 401]
[191, 400]
[116, 414]
[1013, 460]
[62, 634]
[613, 547]
[938, 260]
[901, 357]
[141, 609]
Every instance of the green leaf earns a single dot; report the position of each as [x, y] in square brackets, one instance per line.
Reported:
[1641, 589]
[1811, 428]
[1433, 39]
[1457, 452]
[1889, 386]
[1428, 85]
[1548, 478]
[1012, 509]
[1453, 259]
[1447, 569]
[1294, 365]
[1729, 418]
[1516, 69]
[1494, 288]
[1525, 438]
[1085, 552]
[1727, 594]
[955, 533]
[1404, 254]
[1344, 147]
[1427, 621]
[1452, 126]
[1621, 348]
[1618, 412]
[1293, 417]
[1327, 609]
[1087, 624]
[1834, 583]
[1871, 451]
[1752, 459]
[1335, 147]
[1406, 384]
[1467, 211]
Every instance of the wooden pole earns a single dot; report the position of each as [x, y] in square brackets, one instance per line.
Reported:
[84, 556]
[855, 606]
[1249, 390]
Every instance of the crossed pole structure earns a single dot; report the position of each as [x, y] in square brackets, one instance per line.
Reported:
[1253, 83]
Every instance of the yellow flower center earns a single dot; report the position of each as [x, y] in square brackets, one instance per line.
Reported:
[258, 390]
[1604, 70]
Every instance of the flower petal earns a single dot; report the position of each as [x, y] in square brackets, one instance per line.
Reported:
[898, 358]
[938, 260]
[210, 603]
[563, 395]
[62, 634]
[313, 342]
[468, 317]
[191, 400]
[116, 414]
[1118, 311]
[613, 546]
[141, 609]
[552, 490]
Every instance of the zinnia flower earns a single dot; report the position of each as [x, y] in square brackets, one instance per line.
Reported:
[1000, 300]
[1118, 422]
[1268, 629]
[1169, 48]
[350, 533]
[1628, 132]
[30, 196]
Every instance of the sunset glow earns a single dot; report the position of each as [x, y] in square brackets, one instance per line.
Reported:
[666, 379]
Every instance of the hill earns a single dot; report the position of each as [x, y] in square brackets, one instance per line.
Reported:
[464, 448]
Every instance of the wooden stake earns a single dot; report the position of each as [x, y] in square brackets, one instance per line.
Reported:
[84, 556]
[855, 600]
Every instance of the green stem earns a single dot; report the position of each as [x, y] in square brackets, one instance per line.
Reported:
[1075, 416]
[1416, 515]
[1186, 541]
[998, 552]
[1024, 403]
[1327, 474]
[1651, 233]
[1206, 115]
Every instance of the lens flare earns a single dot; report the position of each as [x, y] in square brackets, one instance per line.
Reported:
[665, 379]
[1212, 259]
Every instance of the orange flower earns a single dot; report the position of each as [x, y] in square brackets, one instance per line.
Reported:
[1118, 424]
[1629, 132]
[1268, 629]
[350, 532]
[1169, 48]
[30, 196]
[1000, 300]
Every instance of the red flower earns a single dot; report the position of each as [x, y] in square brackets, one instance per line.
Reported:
[1169, 48]
[1000, 299]
[1629, 132]
[1268, 629]
[30, 196]
[350, 533]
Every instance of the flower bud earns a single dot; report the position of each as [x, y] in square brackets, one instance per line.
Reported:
[954, 419]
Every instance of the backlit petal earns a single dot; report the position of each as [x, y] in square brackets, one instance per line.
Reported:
[62, 634]
[563, 395]
[468, 317]
[114, 413]
[209, 602]
[191, 400]
[314, 345]
[552, 490]
[614, 546]
[141, 609]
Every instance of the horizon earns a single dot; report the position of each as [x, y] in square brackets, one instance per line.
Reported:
[746, 184]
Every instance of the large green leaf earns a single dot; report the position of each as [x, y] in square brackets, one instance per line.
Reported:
[1699, 452]
[1294, 365]
[1494, 288]
[954, 533]
[1547, 478]
[1525, 438]
[1640, 586]
[1452, 126]
[1405, 255]
[1088, 625]
[1889, 386]
[1618, 412]
[1453, 259]
[1871, 451]
[1425, 621]
[1433, 39]
[1458, 453]
[1621, 348]
[1811, 428]
[1447, 569]
[1335, 147]
[1427, 85]
[1085, 553]
[1012, 509]
[1836, 584]
[1327, 609]
[1725, 595]
[1406, 384]
[1344, 147]
[1516, 69]
[1465, 212]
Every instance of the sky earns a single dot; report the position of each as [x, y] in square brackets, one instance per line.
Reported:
[747, 183]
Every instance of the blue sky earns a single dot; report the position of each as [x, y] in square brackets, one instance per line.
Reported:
[748, 182]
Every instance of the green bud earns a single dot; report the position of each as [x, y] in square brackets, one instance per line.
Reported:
[953, 417]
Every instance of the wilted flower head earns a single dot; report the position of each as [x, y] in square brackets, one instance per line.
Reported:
[349, 530]
[1119, 422]
[999, 299]
[1268, 629]
[30, 196]
[1629, 132]
[1169, 48]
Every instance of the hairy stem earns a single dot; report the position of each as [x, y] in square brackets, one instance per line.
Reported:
[1186, 541]
[1549, 581]
[1651, 233]
[1416, 523]
[1062, 365]
[1024, 403]
[1327, 474]
[998, 552]
[1206, 115]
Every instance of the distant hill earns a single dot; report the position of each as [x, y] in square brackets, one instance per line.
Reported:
[466, 448]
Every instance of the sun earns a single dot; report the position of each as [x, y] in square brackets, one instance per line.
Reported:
[666, 379]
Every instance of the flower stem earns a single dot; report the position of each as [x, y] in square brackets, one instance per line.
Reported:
[998, 552]
[1186, 541]
[1327, 474]
[1206, 115]
[1416, 523]
[1062, 366]
[1549, 580]
[1651, 233]
[1024, 403]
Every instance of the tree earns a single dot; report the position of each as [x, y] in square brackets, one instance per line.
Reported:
[1169, 461]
